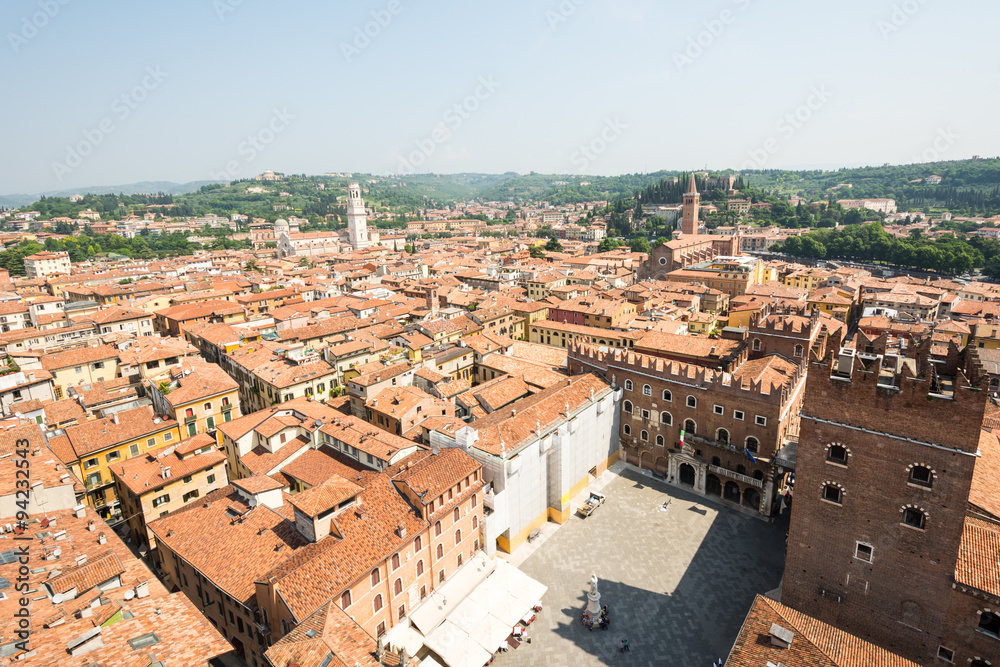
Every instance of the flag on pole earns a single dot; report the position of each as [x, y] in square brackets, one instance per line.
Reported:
[749, 455]
[682, 437]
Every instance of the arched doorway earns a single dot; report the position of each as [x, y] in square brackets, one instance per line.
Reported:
[633, 456]
[732, 492]
[751, 498]
[661, 465]
[646, 460]
[687, 474]
[713, 486]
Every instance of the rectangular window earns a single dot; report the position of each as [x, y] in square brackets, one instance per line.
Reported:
[133, 450]
[150, 442]
[738, 415]
[113, 456]
[210, 479]
[90, 463]
[645, 414]
[946, 654]
[760, 421]
[718, 409]
[187, 479]
[863, 552]
[190, 496]
[162, 500]
[167, 437]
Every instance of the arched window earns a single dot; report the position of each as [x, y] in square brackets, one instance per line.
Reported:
[345, 600]
[418, 544]
[989, 623]
[475, 501]
[189, 412]
[752, 445]
[692, 402]
[459, 562]
[716, 461]
[921, 476]
[837, 454]
[627, 407]
[666, 418]
[644, 436]
[627, 429]
[395, 561]
[914, 518]
[440, 551]
[456, 515]
[208, 407]
[756, 345]
[690, 427]
[458, 537]
[437, 528]
[397, 587]
[722, 435]
[798, 350]
[647, 390]
[628, 385]
[376, 577]
[833, 493]
[667, 396]
[475, 522]
[377, 602]
[420, 567]
[659, 441]
[441, 576]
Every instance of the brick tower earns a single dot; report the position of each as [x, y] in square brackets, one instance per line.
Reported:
[689, 216]
[879, 531]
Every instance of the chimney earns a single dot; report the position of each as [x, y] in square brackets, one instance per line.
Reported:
[781, 637]
[166, 472]
[114, 417]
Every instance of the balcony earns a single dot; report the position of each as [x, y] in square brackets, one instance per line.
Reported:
[739, 477]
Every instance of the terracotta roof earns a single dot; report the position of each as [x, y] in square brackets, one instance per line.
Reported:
[93, 436]
[143, 474]
[257, 484]
[317, 465]
[814, 643]
[207, 534]
[503, 431]
[78, 356]
[978, 563]
[84, 577]
[329, 493]
[328, 631]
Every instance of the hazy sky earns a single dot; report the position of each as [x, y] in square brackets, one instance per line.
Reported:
[114, 92]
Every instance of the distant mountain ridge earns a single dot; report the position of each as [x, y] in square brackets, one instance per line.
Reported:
[142, 187]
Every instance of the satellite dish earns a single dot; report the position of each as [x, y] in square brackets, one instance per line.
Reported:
[57, 553]
[129, 594]
[57, 598]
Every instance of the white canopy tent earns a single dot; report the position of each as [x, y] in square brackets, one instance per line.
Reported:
[472, 614]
